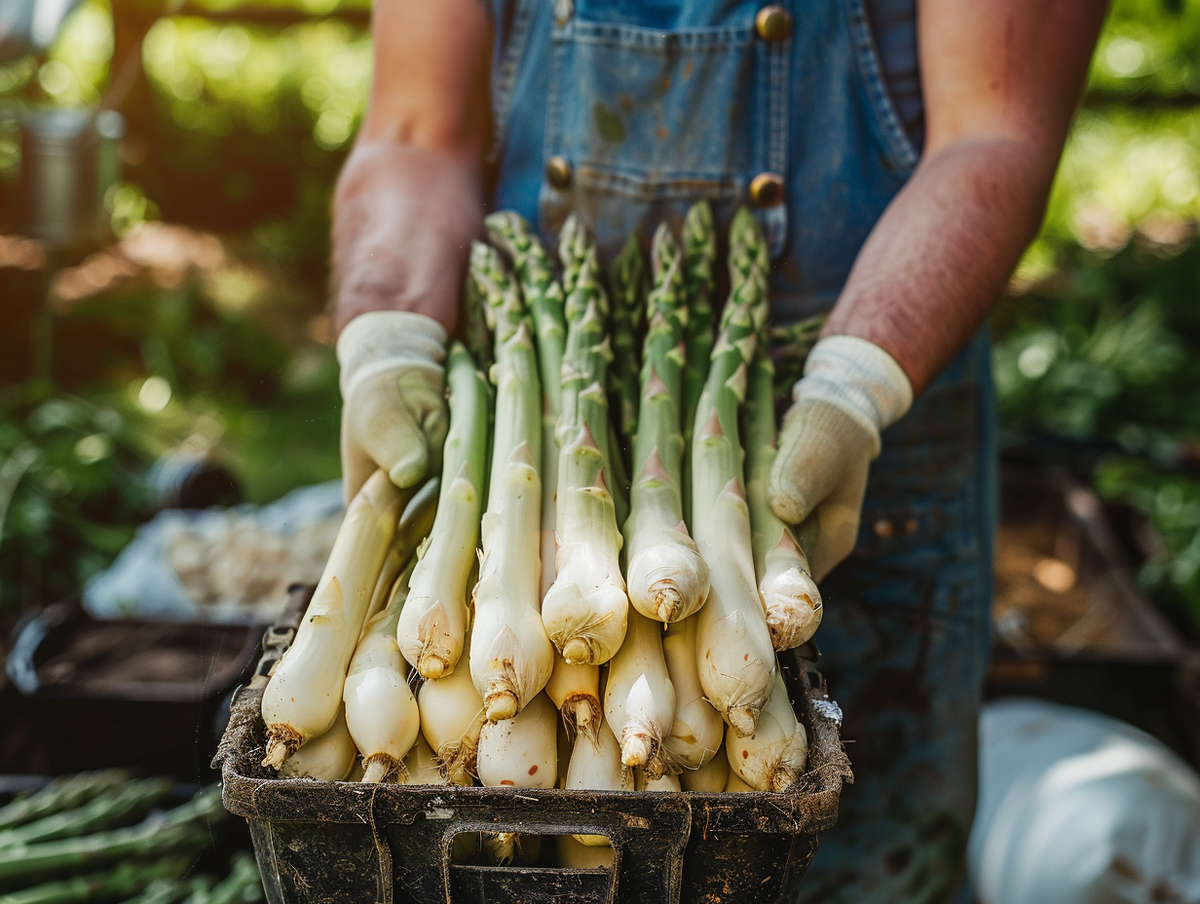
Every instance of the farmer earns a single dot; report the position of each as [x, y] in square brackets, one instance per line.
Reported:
[899, 163]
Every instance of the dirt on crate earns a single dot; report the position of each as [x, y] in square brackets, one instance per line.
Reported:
[117, 652]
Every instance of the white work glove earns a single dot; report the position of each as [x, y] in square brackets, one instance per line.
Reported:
[393, 397]
[851, 390]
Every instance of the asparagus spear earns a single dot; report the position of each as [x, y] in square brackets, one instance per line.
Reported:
[586, 609]
[789, 594]
[668, 579]
[544, 297]
[736, 658]
[61, 794]
[120, 804]
[477, 332]
[699, 257]
[117, 882]
[432, 625]
[626, 277]
[510, 655]
[573, 245]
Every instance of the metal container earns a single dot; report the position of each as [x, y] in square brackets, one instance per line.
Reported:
[353, 842]
[69, 161]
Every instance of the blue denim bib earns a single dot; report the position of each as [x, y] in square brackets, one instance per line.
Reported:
[655, 104]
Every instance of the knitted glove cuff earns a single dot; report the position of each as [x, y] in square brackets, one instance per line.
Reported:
[859, 378]
[380, 341]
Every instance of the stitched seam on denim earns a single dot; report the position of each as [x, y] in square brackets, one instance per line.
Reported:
[899, 144]
[648, 189]
[779, 56]
[506, 75]
[560, 46]
[632, 38]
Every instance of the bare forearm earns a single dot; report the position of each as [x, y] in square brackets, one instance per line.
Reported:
[410, 199]
[942, 253]
[403, 223]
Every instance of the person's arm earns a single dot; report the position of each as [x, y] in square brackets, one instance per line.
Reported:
[1000, 82]
[410, 199]
[407, 206]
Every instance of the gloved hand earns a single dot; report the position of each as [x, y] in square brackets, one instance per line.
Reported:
[851, 390]
[393, 397]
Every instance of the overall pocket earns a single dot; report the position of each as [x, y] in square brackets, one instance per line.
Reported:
[641, 122]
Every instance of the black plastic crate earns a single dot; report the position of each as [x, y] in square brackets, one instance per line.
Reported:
[325, 841]
[74, 701]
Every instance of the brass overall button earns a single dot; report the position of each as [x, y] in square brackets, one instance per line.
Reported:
[558, 172]
[774, 23]
[766, 189]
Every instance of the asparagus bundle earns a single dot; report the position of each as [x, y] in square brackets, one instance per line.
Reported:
[114, 805]
[510, 655]
[668, 579]
[585, 609]
[433, 623]
[550, 570]
[61, 794]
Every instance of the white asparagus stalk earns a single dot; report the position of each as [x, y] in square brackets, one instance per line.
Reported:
[381, 711]
[302, 699]
[544, 298]
[710, 778]
[596, 766]
[774, 758]
[330, 757]
[521, 752]
[734, 650]
[392, 565]
[667, 578]
[510, 655]
[451, 717]
[420, 767]
[433, 623]
[575, 689]
[639, 700]
[697, 730]
[511, 658]
[789, 594]
[574, 855]
[584, 610]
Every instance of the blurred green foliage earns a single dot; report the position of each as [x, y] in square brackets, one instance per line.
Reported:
[1099, 347]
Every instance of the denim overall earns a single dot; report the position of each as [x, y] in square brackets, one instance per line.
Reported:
[651, 104]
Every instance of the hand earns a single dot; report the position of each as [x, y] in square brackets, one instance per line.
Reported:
[851, 390]
[393, 397]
